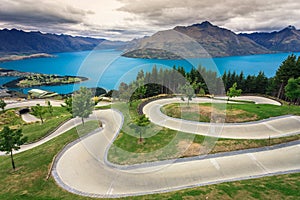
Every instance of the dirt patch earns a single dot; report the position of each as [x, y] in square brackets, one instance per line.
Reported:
[236, 116]
[198, 112]
[189, 149]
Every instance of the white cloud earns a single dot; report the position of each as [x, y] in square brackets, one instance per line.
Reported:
[247, 15]
[127, 19]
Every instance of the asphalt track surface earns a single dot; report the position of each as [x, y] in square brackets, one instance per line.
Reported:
[82, 166]
[270, 128]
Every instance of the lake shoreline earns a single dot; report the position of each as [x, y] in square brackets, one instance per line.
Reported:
[23, 76]
[106, 68]
[15, 83]
[24, 57]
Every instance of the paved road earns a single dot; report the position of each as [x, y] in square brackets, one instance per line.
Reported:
[31, 103]
[82, 168]
[28, 118]
[256, 99]
[62, 129]
[274, 128]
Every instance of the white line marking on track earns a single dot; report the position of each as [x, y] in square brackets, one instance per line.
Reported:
[259, 164]
[110, 189]
[296, 118]
[272, 128]
[215, 163]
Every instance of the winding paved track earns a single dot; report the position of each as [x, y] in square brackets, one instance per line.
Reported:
[82, 167]
[274, 128]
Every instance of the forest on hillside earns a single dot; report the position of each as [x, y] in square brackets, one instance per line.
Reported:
[202, 81]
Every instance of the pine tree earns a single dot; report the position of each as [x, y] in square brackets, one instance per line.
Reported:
[11, 140]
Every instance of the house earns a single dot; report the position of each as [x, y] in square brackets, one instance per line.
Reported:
[41, 94]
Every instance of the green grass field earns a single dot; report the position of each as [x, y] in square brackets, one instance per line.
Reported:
[166, 144]
[38, 130]
[35, 131]
[232, 113]
[29, 182]
[10, 118]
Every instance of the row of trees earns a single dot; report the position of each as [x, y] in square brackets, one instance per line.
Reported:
[170, 81]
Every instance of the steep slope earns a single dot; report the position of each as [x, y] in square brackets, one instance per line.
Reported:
[285, 40]
[18, 42]
[209, 39]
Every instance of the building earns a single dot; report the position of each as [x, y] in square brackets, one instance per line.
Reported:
[41, 94]
[4, 93]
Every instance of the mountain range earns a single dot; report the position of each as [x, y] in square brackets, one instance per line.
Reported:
[206, 39]
[286, 40]
[16, 42]
[198, 40]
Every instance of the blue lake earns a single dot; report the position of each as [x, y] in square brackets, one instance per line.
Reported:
[4, 80]
[106, 68]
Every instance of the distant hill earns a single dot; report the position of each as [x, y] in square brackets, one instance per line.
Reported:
[205, 37]
[198, 40]
[286, 40]
[20, 42]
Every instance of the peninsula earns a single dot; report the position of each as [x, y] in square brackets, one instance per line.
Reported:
[29, 79]
[23, 57]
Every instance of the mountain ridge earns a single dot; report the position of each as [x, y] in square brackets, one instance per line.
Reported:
[212, 41]
[197, 40]
[18, 42]
[285, 40]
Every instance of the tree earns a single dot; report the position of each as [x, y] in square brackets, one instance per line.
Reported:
[292, 89]
[2, 104]
[198, 87]
[188, 91]
[125, 93]
[271, 87]
[68, 104]
[233, 92]
[50, 108]
[11, 140]
[82, 103]
[261, 83]
[140, 89]
[290, 68]
[39, 111]
[140, 122]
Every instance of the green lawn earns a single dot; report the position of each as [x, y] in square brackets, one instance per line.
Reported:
[166, 144]
[38, 130]
[234, 112]
[29, 181]
[10, 118]
[35, 131]
[103, 107]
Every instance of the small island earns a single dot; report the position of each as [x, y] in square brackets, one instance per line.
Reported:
[29, 79]
[43, 80]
